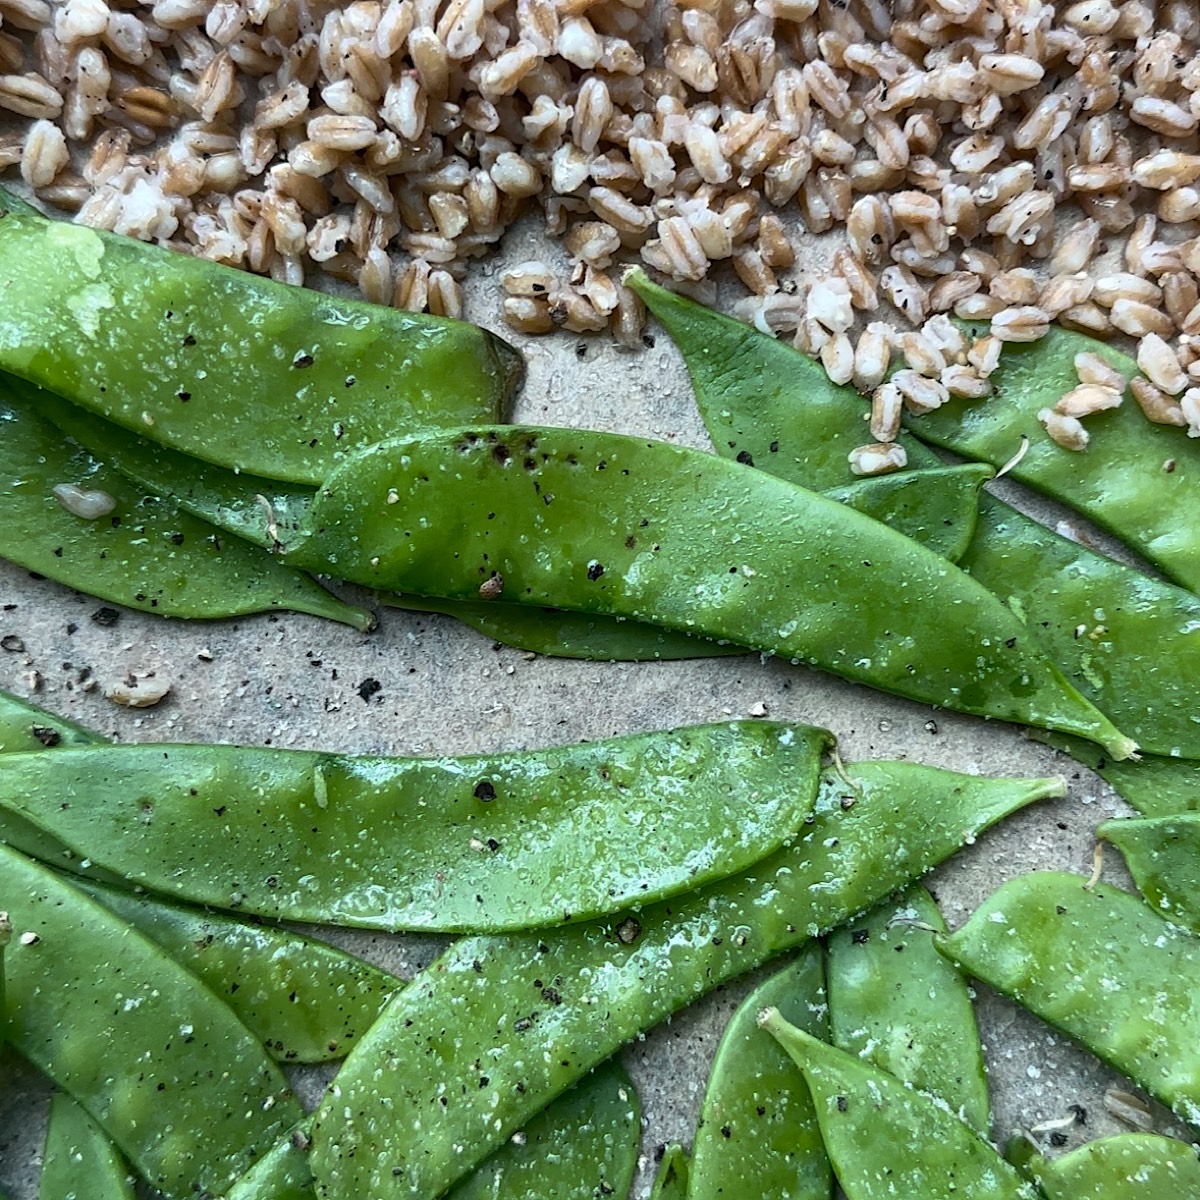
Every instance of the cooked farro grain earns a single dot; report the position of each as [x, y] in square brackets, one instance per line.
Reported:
[1024, 323]
[1160, 409]
[1068, 432]
[1160, 364]
[1088, 398]
[879, 458]
[1091, 368]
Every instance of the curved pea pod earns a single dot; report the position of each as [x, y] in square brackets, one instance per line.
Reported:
[1163, 856]
[484, 843]
[1099, 966]
[1129, 1166]
[1121, 480]
[305, 1000]
[143, 551]
[886, 1139]
[280, 1174]
[181, 1087]
[229, 367]
[758, 1133]
[1154, 785]
[671, 1180]
[895, 1003]
[79, 1158]
[611, 980]
[25, 726]
[691, 542]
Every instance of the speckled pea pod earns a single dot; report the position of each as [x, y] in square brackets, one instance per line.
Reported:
[280, 1174]
[886, 1139]
[232, 368]
[6, 931]
[1129, 1166]
[1163, 856]
[671, 1181]
[1101, 967]
[481, 843]
[25, 726]
[599, 522]
[758, 1133]
[136, 549]
[80, 1161]
[1128, 642]
[181, 1087]
[533, 1013]
[1139, 480]
[895, 1003]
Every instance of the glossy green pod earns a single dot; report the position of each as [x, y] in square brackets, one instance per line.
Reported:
[1163, 856]
[485, 843]
[886, 1139]
[586, 989]
[895, 1003]
[229, 367]
[671, 1180]
[80, 1163]
[1138, 480]
[1129, 642]
[6, 931]
[181, 1087]
[1129, 1166]
[758, 1133]
[145, 552]
[25, 726]
[280, 1174]
[1100, 966]
[611, 524]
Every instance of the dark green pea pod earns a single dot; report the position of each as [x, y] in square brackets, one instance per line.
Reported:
[886, 1139]
[611, 980]
[1128, 642]
[79, 1160]
[1129, 1166]
[1163, 856]
[229, 367]
[280, 1174]
[1100, 966]
[599, 522]
[671, 1181]
[895, 1003]
[758, 1133]
[305, 1000]
[181, 1087]
[1138, 480]
[25, 726]
[142, 551]
[481, 843]
[583, 1145]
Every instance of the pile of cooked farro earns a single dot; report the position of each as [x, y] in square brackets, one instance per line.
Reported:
[974, 156]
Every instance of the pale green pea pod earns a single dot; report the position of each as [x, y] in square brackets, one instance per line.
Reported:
[1129, 1166]
[897, 1004]
[80, 1163]
[886, 1139]
[24, 726]
[1163, 856]
[280, 1174]
[758, 1133]
[671, 1181]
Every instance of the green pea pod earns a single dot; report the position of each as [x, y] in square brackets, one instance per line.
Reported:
[80, 1161]
[583, 1145]
[485, 843]
[691, 542]
[886, 1139]
[280, 1174]
[1129, 1166]
[1136, 479]
[895, 1003]
[227, 366]
[1163, 856]
[1128, 642]
[5, 937]
[305, 1000]
[1099, 966]
[586, 989]
[25, 726]
[145, 552]
[671, 1181]
[181, 1087]
[758, 1133]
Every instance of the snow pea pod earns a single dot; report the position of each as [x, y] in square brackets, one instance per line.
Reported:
[671, 1181]
[1128, 642]
[1129, 1166]
[486, 843]
[25, 726]
[758, 1132]
[606, 523]
[181, 1087]
[1138, 480]
[895, 1003]
[232, 368]
[144, 552]
[80, 1162]
[886, 1139]
[407, 1114]
[1100, 966]
[1163, 856]
[280, 1174]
